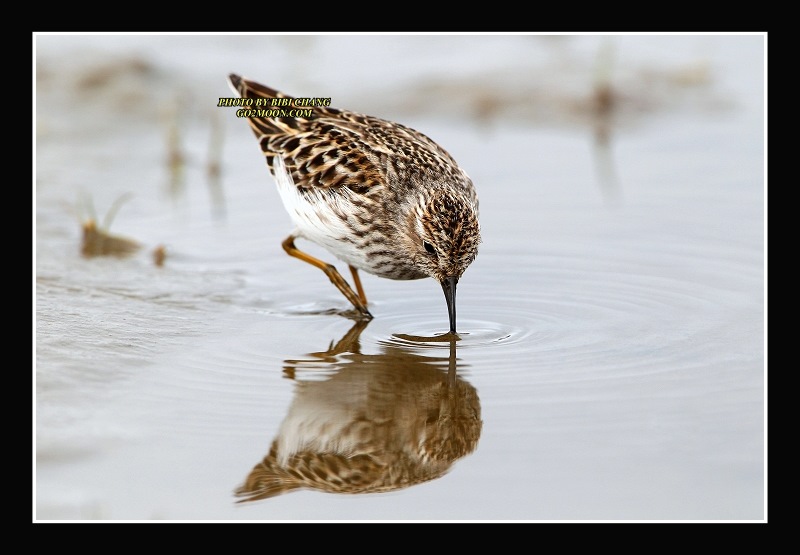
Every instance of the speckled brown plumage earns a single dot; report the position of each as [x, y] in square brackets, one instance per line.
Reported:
[378, 195]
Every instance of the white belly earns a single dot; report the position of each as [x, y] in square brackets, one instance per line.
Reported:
[318, 217]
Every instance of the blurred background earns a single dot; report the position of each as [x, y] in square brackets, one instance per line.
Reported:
[612, 363]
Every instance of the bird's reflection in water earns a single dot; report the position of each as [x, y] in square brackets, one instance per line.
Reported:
[368, 423]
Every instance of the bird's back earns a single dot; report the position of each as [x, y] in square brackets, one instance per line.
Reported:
[324, 147]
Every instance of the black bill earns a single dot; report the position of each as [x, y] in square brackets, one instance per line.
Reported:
[449, 288]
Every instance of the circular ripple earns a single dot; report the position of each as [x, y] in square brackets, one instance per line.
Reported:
[429, 330]
[590, 317]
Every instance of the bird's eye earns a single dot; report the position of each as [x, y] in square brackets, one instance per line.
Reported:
[429, 247]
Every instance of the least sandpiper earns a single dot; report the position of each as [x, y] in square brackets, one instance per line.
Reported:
[378, 195]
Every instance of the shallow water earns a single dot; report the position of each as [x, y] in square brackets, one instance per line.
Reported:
[611, 361]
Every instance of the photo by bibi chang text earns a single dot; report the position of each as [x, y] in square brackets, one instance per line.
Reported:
[275, 107]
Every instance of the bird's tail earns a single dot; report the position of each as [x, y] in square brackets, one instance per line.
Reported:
[272, 112]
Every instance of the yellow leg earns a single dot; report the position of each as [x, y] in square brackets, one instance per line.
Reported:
[359, 288]
[359, 301]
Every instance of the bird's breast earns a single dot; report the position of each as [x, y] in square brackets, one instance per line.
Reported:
[353, 230]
